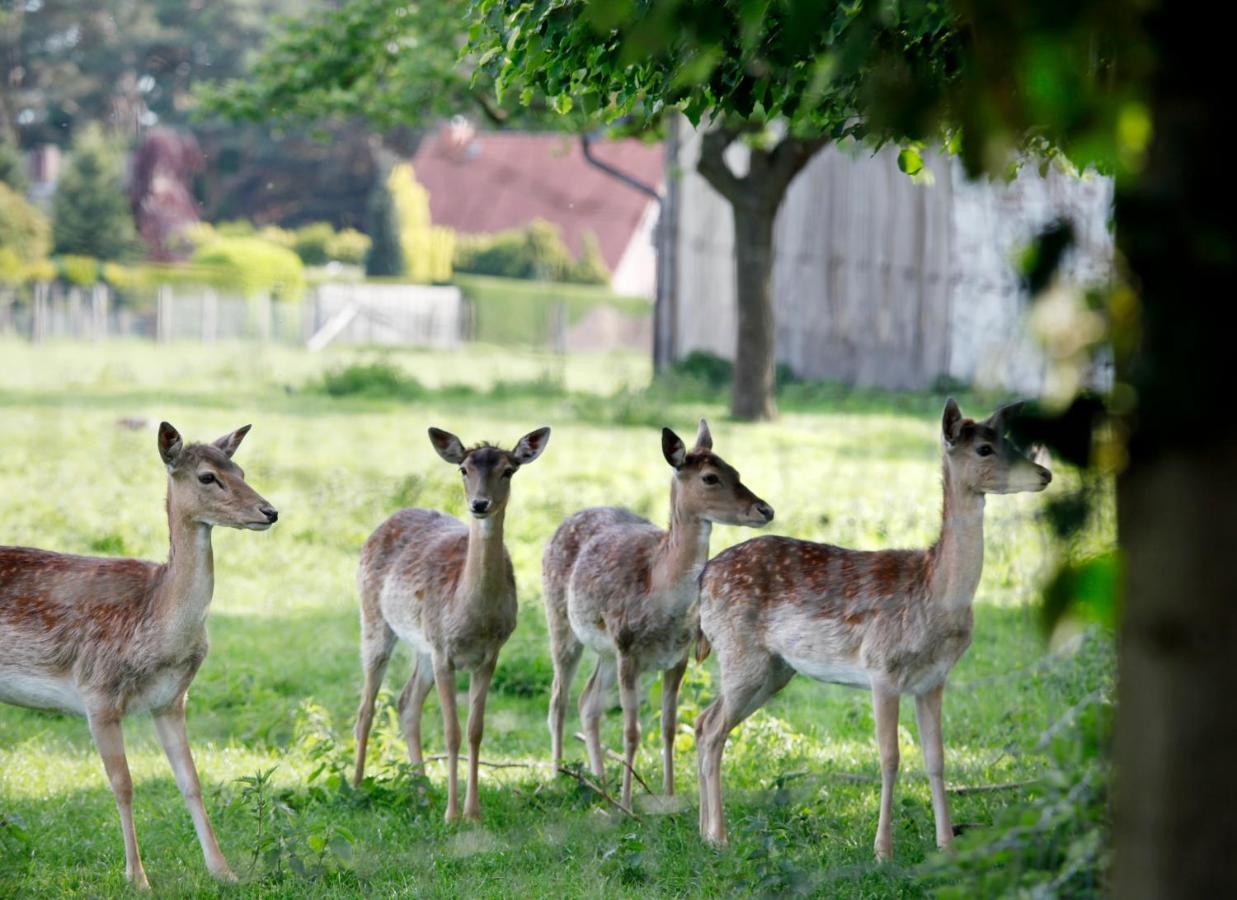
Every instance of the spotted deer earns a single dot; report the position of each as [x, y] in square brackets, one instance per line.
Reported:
[448, 590]
[106, 638]
[890, 621]
[623, 587]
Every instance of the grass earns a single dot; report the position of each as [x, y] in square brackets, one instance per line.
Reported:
[271, 710]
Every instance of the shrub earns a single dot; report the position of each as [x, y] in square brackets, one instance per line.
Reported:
[348, 246]
[386, 255]
[236, 228]
[280, 236]
[535, 252]
[12, 167]
[590, 268]
[310, 242]
[251, 266]
[90, 213]
[428, 249]
[374, 380]
[79, 270]
[24, 231]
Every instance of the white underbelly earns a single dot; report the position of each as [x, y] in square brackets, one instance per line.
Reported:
[831, 671]
[40, 692]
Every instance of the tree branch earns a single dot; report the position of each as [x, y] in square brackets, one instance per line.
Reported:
[788, 158]
[712, 163]
[621, 759]
[597, 789]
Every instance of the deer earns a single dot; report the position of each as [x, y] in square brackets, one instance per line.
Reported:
[616, 583]
[109, 637]
[447, 590]
[892, 622]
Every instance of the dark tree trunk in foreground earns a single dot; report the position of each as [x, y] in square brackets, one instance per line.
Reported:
[754, 199]
[1176, 738]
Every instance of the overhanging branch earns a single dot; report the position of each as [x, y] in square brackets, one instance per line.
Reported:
[712, 163]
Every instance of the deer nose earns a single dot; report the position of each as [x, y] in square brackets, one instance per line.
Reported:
[272, 514]
[480, 506]
[1045, 475]
[765, 510]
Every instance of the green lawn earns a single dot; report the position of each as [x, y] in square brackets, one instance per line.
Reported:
[281, 683]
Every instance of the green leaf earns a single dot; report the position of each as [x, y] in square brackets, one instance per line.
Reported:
[910, 161]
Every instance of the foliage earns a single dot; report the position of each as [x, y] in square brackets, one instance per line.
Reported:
[590, 268]
[348, 246]
[386, 251]
[82, 271]
[251, 266]
[427, 248]
[90, 212]
[12, 167]
[378, 379]
[535, 252]
[310, 242]
[527, 313]
[24, 231]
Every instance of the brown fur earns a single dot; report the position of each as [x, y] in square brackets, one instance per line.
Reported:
[107, 637]
[893, 621]
[629, 589]
[449, 590]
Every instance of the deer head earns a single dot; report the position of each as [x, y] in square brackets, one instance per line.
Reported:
[980, 456]
[487, 470]
[205, 486]
[705, 485]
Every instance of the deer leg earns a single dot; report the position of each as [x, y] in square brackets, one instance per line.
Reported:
[377, 642]
[670, 681]
[444, 676]
[885, 708]
[565, 653]
[478, 688]
[928, 714]
[592, 704]
[745, 689]
[412, 703]
[110, 741]
[629, 697]
[170, 726]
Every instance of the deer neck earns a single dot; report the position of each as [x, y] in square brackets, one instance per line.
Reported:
[957, 558]
[485, 565]
[683, 552]
[184, 594]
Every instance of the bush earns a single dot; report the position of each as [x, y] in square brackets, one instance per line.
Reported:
[535, 252]
[386, 254]
[24, 231]
[82, 271]
[279, 236]
[251, 266]
[348, 246]
[236, 228]
[90, 212]
[374, 380]
[12, 167]
[310, 242]
[428, 249]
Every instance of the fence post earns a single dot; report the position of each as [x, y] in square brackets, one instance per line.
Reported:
[98, 311]
[38, 323]
[163, 314]
[264, 318]
[210, 316]
[558, 327]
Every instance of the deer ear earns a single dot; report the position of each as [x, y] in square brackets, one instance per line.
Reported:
[951, 421]
[704, 439]
[531, 445]
[447, 445]
[170, 444]
[1000, 420]
[672, 448]
[229, 442]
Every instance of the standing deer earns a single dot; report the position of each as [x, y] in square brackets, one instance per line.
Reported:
[108, 637]
[448, 589]
[630, 591]
[891, 621]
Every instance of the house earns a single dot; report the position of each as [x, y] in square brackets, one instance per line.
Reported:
[482, 182]
[882, 281]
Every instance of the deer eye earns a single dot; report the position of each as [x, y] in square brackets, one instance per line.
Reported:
[508, 473]
[984, 450]
[207, 478]
[711, 479]
[463, 471]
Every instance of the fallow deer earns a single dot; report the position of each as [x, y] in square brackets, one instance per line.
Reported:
[106, 638]
[618, 584]
[448, 590]
[891, 621]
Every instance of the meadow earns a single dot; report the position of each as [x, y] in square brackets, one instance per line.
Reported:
[338, 444]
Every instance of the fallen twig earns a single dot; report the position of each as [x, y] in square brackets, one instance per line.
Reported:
[598, 789]
[623, 760]
[441, 757]
[991, 788]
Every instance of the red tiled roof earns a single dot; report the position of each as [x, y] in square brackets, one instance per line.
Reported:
[502, 180]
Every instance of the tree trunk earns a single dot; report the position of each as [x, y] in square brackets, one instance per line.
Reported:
[1176, 784]
[754, 355]
[754, 201]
